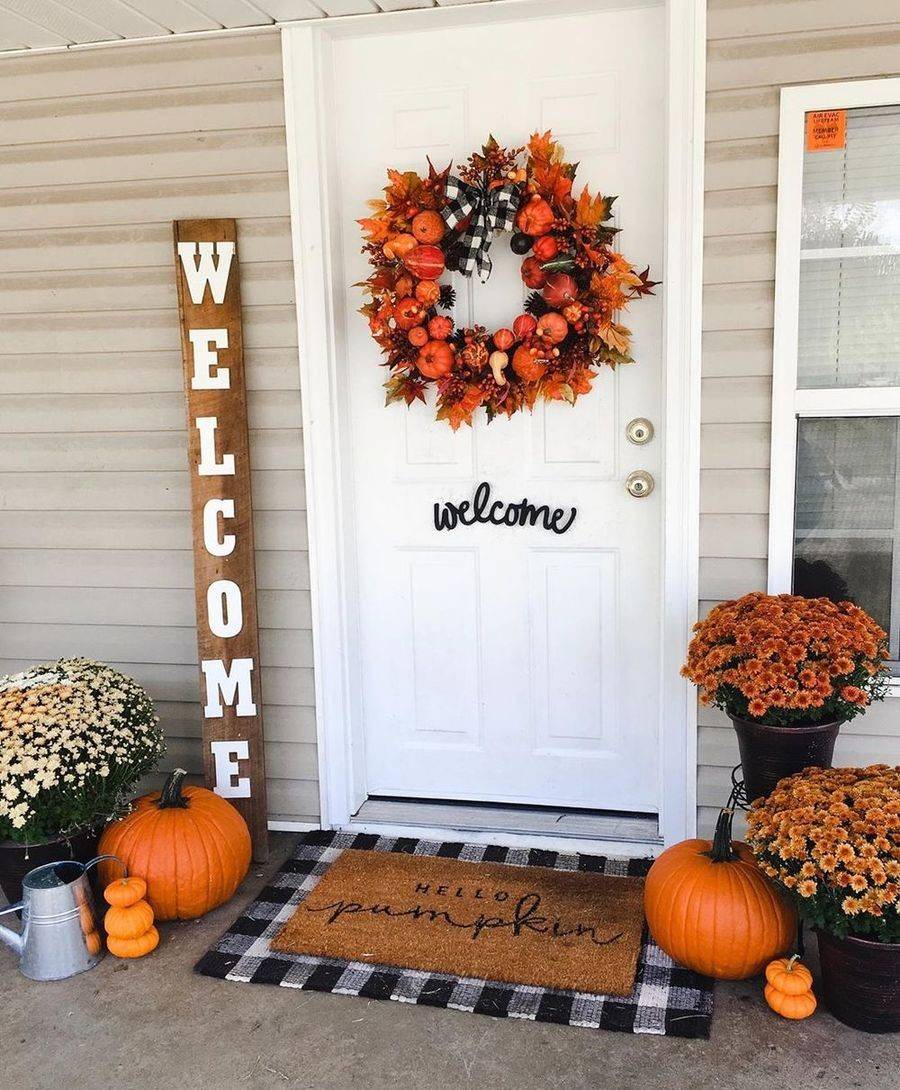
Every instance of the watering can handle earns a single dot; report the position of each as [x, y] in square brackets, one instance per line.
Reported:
[100, 858]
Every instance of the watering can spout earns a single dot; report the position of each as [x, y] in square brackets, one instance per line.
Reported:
[13, 939]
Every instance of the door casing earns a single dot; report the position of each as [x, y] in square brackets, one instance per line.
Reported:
[314, 223]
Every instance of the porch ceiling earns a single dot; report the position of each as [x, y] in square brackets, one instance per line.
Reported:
[58, 24]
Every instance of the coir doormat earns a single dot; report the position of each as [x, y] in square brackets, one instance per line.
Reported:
[517, 925]
[665, 999]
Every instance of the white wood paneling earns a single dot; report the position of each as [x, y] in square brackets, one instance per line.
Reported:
[101, 151]
[755, 47]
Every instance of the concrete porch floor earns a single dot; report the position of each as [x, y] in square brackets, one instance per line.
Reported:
[155, 1024]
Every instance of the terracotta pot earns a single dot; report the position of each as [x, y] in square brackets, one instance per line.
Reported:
[861, 982]
[16, 860]
[768, 754]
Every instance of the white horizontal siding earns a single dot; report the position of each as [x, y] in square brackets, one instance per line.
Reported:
[99, 152]
[754, 48]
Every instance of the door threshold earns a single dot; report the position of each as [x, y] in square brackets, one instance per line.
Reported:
[516, 826]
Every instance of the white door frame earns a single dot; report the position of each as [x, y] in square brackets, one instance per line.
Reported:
[307, 90]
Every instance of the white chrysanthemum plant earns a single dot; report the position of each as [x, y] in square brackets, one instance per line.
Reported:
[75, 738]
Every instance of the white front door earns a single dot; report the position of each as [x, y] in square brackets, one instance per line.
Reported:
[496, 663]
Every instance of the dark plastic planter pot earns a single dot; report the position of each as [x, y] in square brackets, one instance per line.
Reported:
[770, 753]
[16, 860]
[861, 982]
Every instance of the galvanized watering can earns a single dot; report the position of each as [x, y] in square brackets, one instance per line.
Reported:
[60, 933]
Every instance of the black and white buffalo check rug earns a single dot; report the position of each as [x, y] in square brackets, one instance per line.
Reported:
[666, 998]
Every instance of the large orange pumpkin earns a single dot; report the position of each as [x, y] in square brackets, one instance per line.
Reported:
[710, 907]
[190, 846]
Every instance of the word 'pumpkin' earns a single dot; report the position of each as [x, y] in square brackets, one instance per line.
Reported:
[190, 846]
[710, 907]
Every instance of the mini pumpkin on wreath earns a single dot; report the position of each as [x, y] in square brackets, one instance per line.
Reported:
[568, 331]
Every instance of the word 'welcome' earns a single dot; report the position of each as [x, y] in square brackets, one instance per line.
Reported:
[225, 585]
[447, 516]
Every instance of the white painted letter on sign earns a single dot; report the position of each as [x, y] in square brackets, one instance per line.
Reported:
[215, 545]
[223, 608]
[206, 358]
[208, 466]
[226, 756]
[224, 685]
[207, 270]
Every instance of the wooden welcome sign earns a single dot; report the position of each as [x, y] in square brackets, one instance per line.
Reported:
[209, 302]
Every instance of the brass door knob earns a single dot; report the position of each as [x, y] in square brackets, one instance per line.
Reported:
[639, 431]
[639, 483]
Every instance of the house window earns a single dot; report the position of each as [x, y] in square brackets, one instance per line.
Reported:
[834, 525]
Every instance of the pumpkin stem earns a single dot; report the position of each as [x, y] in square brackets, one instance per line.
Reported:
[171, 797]
[721, 850]
[790, 965]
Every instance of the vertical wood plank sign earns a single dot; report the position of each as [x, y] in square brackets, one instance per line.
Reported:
[209, 303]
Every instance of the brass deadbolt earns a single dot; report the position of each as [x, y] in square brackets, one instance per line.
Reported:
[639, 483]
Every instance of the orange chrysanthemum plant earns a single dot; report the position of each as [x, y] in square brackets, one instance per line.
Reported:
[783, 660]
[831, 838]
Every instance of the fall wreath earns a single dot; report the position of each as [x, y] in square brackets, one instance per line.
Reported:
[568, 329]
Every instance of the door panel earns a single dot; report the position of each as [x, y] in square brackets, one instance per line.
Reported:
[497, 663]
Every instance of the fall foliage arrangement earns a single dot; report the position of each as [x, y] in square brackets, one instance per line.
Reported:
[554, 350]
[831, 838]
[783, 659]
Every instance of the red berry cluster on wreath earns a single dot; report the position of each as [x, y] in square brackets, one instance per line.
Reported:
[579, 283]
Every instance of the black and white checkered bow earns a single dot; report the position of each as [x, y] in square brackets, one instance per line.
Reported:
[489, 210]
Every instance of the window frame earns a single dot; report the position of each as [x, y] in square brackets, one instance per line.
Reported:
[789, 403]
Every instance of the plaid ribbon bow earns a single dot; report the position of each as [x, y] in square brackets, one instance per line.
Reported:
[489, 210]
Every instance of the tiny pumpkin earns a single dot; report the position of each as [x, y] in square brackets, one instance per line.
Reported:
[436, 359]
[504, 339]
[408, 312]
[789, 975]
[129, 922]
[794, 1007]
[527, 364]
[532, 273]
[134, 948]
[417, 336]
[524, 326]
[428, 227]
[440, 327]
[400, 245]
[535, 217]
[552, 327]
[190, 846]
[125, 891]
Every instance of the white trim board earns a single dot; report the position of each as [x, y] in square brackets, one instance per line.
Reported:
[306, 50]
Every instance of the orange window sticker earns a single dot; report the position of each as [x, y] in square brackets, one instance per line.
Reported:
[826, 130]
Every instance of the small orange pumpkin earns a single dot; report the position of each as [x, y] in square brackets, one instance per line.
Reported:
[436, 359]
[527, 364]
[535, 217]
[125, 891]
[134, 948]
[408, 312]
[711, 908]
[190, 846]
[128, 922]
[428, 227]
[789, 975]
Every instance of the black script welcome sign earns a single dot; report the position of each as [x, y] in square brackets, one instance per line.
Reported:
[481, 508]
